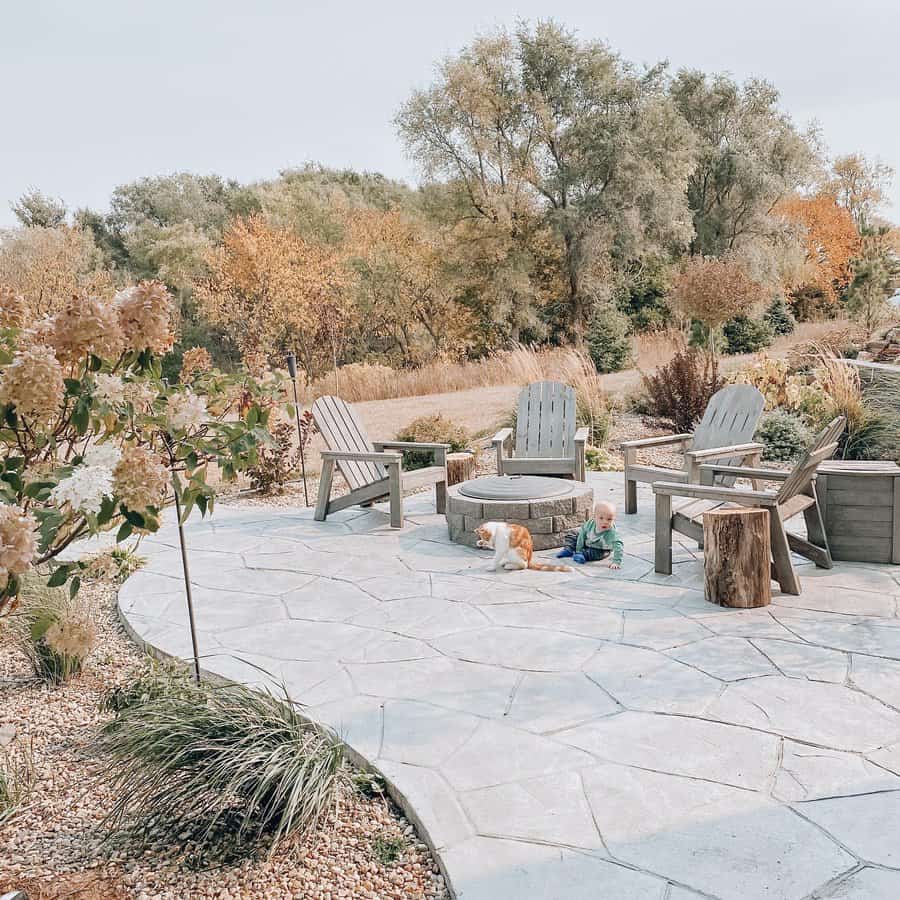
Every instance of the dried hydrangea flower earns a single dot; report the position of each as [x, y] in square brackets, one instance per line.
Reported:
[140, 480]
[72, 636]
[13, 309]
[109, 389]
[84, 489]
[33, 384]
[145, 313]
[186, 411]
[18, 542]
[195, 361]
[87, 325]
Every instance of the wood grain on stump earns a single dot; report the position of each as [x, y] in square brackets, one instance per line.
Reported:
[460, 467]
[737, 557]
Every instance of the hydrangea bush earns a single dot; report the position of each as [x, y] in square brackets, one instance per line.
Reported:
[94, 439]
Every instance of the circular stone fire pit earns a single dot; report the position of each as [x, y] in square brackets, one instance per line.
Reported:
[547, 507]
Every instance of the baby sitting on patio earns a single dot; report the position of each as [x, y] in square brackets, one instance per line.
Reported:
[596, 539]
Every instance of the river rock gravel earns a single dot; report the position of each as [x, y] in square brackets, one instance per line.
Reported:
[52, 846]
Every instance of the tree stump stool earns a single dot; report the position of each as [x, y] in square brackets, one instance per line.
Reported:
[737, 557]
[460, 467]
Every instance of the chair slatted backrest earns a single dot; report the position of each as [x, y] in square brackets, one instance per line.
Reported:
[342, 430]
[545, 422]
[730, 418]
[822, 448]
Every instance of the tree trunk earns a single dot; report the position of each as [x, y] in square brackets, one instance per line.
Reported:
[460, 467]
[737, 557]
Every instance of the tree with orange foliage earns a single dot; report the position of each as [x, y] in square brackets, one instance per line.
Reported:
[404, 288]
[272, 290]
[831, 241]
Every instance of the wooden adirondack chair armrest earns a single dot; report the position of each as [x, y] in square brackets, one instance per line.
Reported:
[582, 435]
[408, 445]
[363, 456]
[745, 472]
[714, 492]
[714, 453]
[502, 436]
[438, 451]
[660, 441]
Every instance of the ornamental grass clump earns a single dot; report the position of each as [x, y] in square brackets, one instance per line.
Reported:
[55, 632]
[221, 765]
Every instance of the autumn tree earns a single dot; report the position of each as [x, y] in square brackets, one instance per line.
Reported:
[830, 242]
[541, 118]
[749, 156]
[860, 186]
[47, 266]
[272, 290]
[404, 290]
[712, 291]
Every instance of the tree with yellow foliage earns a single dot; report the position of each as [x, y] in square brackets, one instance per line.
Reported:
[272, 290]
[48, 266]
[404, 288]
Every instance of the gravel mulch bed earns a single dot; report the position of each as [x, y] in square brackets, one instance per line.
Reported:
[51, 847]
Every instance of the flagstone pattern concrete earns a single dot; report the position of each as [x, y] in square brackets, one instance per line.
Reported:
[567, 735]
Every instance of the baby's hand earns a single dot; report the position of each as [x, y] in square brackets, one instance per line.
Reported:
[614, 565]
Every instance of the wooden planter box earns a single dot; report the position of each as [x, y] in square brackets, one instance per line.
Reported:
[860, 503]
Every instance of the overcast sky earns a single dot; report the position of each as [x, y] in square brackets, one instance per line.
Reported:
[99, 92]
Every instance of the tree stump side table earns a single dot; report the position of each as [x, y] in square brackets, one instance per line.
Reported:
[860, 503]
[460, 467]
[737, 557]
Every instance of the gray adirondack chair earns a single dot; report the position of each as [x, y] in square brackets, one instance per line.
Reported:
[547, 440]
[796, 494]
[373, 470]
[724, 434]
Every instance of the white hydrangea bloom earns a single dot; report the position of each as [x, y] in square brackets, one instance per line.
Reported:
[84, 489]
[105, 455]
[109, 388]
[187, 411]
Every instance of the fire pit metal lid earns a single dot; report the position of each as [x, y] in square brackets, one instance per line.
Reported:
[515, 487]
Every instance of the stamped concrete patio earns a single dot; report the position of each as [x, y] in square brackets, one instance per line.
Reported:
[595, 734]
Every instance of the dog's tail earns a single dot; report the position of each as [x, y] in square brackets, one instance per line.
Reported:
[543, 567]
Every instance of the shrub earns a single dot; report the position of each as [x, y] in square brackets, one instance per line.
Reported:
[599, 460]
[779, 316]
[388, 848]
[431, 430]
[276, 461]
[607, 339]
[227, 766]
[678, 392]
[784, 435]
[54, 631]
[744, 335]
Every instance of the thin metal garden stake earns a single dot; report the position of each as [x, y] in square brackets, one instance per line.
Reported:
[187, 586]
[292, 371]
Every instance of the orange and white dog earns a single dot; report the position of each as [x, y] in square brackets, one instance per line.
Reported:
[512, 546]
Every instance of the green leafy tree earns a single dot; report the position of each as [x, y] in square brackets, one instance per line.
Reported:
[750, 155]
[540, 120]
[34, 209]
[875, 276]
